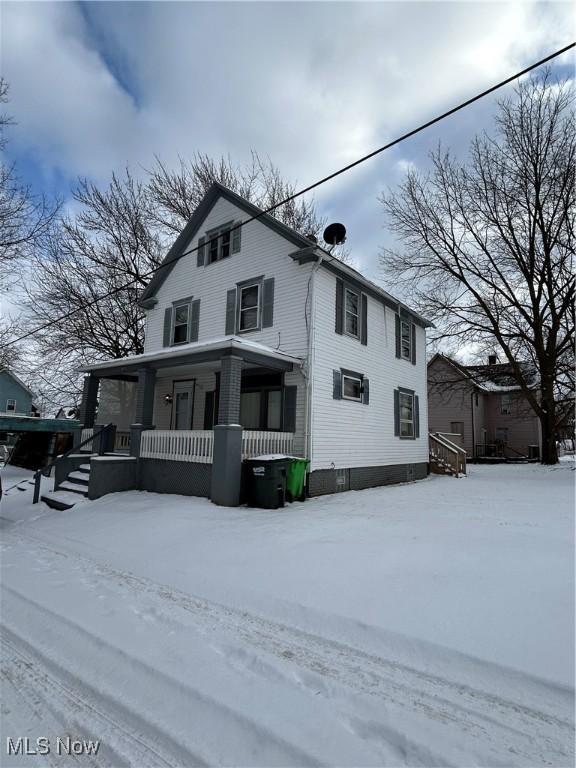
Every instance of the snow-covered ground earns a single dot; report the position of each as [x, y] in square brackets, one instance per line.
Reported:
[423, 624]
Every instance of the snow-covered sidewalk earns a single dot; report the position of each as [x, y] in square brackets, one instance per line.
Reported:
[425, 624]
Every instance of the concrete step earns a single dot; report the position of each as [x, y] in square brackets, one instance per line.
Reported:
[60, 500]
[79, 477]
[67, 485]
[84, 468]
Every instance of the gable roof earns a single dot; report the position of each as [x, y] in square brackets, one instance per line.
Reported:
[307, 249]
[215, 192]
[497, 377]
[17, 380]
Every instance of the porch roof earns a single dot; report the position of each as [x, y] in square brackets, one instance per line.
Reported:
[195, 352]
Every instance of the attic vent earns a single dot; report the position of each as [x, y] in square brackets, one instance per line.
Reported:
[492, 359]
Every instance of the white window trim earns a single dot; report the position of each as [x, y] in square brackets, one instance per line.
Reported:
[408, 325]
[505, 411]
[352, 378]
[256, 284]
[8, 409]
[216, 234]
[175, 306]
[359, 297]
[406, 421]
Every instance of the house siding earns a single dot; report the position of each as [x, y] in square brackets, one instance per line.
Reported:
[521, 423]
[450, 398]
[10, 389]
[263, 252]
[347, 434]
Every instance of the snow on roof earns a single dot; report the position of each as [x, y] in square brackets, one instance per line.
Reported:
[499, 377]
[224, 342]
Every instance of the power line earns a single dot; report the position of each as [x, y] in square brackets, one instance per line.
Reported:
[309, 188]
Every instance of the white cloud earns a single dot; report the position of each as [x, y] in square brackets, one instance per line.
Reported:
[313, 85]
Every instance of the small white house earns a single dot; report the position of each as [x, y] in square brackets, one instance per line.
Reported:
[262, 342]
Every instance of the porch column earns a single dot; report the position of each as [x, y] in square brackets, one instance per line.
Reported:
[227, 455]
[89, 401]
[144, 408]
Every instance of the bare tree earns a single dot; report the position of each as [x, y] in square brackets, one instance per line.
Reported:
[175, 194]
[489, 244]
[106, 250]
[24, 217]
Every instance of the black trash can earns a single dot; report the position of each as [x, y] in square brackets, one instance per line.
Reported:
[266, 482]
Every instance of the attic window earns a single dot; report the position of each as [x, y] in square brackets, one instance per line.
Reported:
[10, 405]
[221, 242]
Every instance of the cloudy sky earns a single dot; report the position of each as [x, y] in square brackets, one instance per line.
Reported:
[96, 86]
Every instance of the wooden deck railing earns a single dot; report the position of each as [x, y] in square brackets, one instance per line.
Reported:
[446, 454]
[257, 443]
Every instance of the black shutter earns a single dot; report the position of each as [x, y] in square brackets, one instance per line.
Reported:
[167, 327]
[396, 413]
[364, 319]
[268, 303]
[337, 385]
[209, 410]
[413, 344]
[398, 337]
[231, 312]
[416, 416]
[194, 320]
[365, 391]
[339, 306]
[236, 238]
[289, 409]
[200, 252]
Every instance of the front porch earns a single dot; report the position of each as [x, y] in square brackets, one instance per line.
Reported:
[190, 415]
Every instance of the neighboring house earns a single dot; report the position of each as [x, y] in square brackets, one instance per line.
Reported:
[261, 342]
[484, 406]
[16, 399]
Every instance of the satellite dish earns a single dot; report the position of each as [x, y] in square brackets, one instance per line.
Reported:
[335, 234]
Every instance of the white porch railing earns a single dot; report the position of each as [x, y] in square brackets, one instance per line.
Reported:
[178, 445]
[258, 443]
[122, 441]
[197, 444]
[86, 433]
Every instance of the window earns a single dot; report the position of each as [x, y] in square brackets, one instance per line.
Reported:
[502, 435]
[351, 388]
[220, 243]
[261, 409]
[351, 313]
[249, 308]
[457, 428]
[181, 321]
[406, 402]
[10, 405]
[505, 404]
[405, 340]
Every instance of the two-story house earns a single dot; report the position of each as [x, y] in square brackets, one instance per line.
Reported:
[259, 341]
[16, 399]
[483, 408]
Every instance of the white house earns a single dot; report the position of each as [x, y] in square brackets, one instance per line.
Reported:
[261, 341]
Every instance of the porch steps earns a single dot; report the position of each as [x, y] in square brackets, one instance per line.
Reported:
[71, 491]
[60, 500]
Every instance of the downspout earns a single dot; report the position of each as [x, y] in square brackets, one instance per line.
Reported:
[309, 363]
[473, 401]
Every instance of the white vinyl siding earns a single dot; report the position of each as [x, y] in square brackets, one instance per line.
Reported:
[263, 252]
[345, 436]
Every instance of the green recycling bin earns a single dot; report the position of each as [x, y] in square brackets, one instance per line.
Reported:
[266, 481]
[296, 478]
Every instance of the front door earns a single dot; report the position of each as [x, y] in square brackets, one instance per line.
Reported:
[183, 405]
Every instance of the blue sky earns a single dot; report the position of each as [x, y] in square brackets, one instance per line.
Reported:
[98, 86]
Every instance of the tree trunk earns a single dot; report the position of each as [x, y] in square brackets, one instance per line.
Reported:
[548, 427]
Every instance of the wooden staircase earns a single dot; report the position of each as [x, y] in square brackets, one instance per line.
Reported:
[446, 458]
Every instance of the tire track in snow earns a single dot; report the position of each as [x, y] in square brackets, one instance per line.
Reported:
[496, 725]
